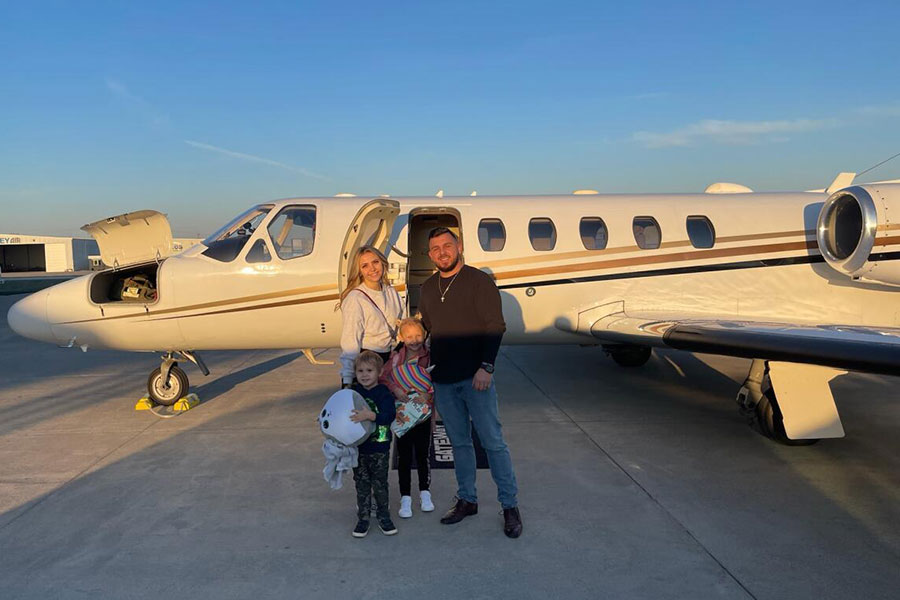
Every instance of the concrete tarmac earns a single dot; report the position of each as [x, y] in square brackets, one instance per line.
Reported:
[634, 483]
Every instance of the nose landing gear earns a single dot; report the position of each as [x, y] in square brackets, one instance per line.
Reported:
[168, 383]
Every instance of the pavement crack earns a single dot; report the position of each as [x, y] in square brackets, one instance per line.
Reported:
[624, 471]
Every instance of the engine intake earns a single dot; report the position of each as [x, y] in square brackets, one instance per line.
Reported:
[855, 223]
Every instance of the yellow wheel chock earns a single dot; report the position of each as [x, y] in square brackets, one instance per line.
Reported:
[186, 403]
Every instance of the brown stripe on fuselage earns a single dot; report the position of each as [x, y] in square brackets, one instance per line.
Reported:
[657, 259]
[554, 256]
[267, 296]
[887, 241]
[296, 301]
[644, 259]
[213, 304]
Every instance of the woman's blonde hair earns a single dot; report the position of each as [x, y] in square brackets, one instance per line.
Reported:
[354, 277]
[410, 322]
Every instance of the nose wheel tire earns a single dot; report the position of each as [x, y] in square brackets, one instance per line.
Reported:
[168, 392]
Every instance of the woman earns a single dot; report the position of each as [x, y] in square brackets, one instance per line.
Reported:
[370, 309]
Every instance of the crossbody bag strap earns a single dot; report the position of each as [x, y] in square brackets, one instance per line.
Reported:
[391, 330]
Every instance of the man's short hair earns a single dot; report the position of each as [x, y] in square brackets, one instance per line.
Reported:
[367, 357]
[441, 231]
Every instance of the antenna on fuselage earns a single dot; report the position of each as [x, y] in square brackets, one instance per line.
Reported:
[881, 163]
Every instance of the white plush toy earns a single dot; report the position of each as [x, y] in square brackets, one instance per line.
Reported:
[335, 423]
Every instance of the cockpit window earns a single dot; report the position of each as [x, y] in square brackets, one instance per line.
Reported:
[227, 243]
[259, 253]
[293, 231]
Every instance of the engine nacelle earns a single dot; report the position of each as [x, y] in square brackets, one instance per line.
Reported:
[856, 226]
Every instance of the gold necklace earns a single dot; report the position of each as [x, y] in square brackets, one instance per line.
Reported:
[444, 292]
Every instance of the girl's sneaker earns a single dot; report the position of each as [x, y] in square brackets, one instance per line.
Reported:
[427, 504]
[405, 511]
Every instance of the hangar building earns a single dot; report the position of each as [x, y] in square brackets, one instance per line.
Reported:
[43, 253]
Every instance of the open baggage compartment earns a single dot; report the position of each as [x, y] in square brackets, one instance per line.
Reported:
[134, 246]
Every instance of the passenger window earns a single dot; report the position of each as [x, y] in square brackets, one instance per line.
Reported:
[259, 253]
[542, 233]
[646, 233]
[593, 233]
[701, 232]
[293, 231]
[491, 235]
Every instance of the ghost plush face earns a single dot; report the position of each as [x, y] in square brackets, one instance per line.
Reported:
[335, 423]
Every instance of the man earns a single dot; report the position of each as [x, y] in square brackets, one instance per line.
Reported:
[461, 309]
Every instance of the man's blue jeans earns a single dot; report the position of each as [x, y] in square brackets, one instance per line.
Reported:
[458, 403]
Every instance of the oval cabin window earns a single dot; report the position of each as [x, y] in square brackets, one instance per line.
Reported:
[701, 232]
[542, 234]
[646, 233]
[491, 235]
[593, 233]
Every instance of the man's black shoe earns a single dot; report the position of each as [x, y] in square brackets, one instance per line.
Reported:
[460, 511]
[512, 522]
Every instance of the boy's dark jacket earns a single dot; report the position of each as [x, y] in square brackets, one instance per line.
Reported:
[381, 401]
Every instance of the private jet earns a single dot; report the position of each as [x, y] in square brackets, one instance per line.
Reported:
[806, 284]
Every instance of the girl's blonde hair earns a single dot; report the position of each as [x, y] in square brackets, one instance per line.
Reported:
[354, 278]
[410, 322]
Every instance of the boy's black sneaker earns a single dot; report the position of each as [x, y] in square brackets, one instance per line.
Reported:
[362, 528]
[387, 526]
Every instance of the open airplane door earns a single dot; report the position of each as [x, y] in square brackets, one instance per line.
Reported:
[133, 238]
[370, 227]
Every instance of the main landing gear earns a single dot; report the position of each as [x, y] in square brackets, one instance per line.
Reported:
[759, 405]
[627, 355]
[168, 383]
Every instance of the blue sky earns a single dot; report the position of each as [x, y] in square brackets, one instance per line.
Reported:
[201, 109]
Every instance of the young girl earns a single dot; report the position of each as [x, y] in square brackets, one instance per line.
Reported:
[370, 309]
[417, 439]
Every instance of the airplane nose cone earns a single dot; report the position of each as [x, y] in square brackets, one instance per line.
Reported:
[28, 317]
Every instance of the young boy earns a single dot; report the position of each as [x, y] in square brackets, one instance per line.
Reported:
[371, 476]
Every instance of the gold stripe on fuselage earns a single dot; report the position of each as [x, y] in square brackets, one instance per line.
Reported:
[650, 259]
[554, 256]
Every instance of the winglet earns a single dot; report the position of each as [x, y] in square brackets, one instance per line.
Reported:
[841, 181]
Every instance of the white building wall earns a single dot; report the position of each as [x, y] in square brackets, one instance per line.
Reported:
[56, 258]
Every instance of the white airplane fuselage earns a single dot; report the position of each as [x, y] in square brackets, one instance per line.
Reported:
[764, 266]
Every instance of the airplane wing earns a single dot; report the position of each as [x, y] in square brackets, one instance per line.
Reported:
[867, 349]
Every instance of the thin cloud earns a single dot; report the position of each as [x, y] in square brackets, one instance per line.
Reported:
[257, 159]
[730, 132]
[119, 90]
[884, 110]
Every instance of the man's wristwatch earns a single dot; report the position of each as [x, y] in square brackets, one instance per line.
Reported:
[488, 368]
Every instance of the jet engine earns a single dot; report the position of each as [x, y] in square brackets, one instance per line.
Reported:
[856, 226]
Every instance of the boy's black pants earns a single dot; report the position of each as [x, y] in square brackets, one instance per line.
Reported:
[418, 440]
[371, 477]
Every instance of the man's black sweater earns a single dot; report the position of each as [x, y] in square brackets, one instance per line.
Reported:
[466, 328]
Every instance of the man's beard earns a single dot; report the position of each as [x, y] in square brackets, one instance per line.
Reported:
[451, 267]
